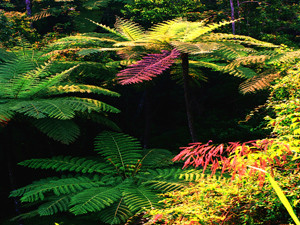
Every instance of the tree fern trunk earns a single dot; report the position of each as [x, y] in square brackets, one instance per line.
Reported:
[232, 16]
[28, 7]
[185, 73]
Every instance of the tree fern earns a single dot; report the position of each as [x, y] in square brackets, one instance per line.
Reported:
[33, 91]
[112, 190]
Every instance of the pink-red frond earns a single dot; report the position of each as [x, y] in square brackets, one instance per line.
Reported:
[147, 68]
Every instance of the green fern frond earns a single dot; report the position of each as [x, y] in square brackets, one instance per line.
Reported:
[164, 179]
[88, 104]
[230, 52]
[55, 205]
[34, 185]
[286, 57]
[140, 198]
[51, 81]
[156, 158]
[81, 88]
[63, 186]
[52, 108]
[102, 119]
[132, 31]
[206, 64]
[6, 56]
[118, 148]
[117, 213]
[241, 71]
[68, 163]
[110, 30]
[16, 66]
[94, 199]
[65, 131]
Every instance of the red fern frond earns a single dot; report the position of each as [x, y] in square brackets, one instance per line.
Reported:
[232, 157]
[147, 68]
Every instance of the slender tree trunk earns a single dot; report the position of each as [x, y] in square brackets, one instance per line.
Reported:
[232, 16]
[238, 16]
[28, 7]
[185, 73]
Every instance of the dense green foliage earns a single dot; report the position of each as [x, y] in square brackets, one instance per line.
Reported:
[125, 181]
[247, 197]
[192, 74]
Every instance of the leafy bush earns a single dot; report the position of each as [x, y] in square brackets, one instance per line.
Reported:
[147, 12]
[217, 200]
[238, 198]
[15, 25]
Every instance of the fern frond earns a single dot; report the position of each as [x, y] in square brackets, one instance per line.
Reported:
[88, 104]
[241, 39]
[63, 186]
[110, 30]
[50, 81]
[53, 108]
[94, 199]
[247, 60]
[156, 158]
[34, 185]
[65, 131]
[81, 88]
[68, 163]
[118, 148]
[140, 198]
[55, 205]
[132, 31]
[117, 213]
[150, 66]
[102, 119]
[241, 71]
[6, 56]
[16, 66]
[160, 30]
[164, 179]
[195, 48]
[257, 83]
[286, 57]
[202, 30]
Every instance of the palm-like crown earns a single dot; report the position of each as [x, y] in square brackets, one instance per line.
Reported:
[126, 181]
[218, 51]
[51, 103]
